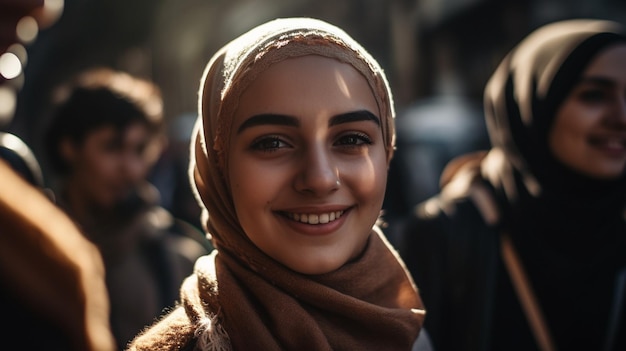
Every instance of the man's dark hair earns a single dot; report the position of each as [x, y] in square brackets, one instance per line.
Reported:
[98, 98]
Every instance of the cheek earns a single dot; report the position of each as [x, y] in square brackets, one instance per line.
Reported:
[105, 168]
[562, 132]
[568, 130]
[252, 186]
[369, 179]
[90, 168]
[139, 168]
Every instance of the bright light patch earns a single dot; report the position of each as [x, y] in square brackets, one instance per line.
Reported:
[20, 51]
[7, 105]
[52, 11]
[27, 29]
[10, 65]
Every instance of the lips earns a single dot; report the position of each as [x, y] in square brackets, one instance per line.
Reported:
[614, 144]
[314, 218]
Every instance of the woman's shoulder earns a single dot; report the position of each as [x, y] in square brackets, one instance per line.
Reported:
[465, 196]
[195, 323]
[464, 209]
[173, 332]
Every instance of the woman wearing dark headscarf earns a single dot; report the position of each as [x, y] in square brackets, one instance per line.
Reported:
[290, 157]
[525, 246]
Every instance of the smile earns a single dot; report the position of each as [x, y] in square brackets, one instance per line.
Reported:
[313, 218]
[615, 144]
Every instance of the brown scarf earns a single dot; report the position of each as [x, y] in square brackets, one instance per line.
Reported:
[369, 303]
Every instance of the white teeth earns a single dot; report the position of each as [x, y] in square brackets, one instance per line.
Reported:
[324, 218]
[311, 218]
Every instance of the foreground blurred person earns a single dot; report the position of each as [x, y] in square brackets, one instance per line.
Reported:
[103, 139]
[51, 279]
[52, 292]
[525, 247]
[290, 164]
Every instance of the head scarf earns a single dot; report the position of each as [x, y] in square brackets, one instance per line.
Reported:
[521, 101]
[369, 303]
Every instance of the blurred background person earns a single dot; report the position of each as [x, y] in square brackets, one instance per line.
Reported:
[103, 139]
[430, 133]
[170, 176]
[52, 289]
[526, 241]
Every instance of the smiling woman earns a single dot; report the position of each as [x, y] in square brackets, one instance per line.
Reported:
[536, 224]
[292, 147]
[589, 132]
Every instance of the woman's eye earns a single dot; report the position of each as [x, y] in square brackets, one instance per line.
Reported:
[268, 144]
[593, 95]
[355, 139]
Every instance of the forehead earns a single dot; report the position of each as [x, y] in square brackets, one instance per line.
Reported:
[609, 62]
[132, 132]
[297, 85]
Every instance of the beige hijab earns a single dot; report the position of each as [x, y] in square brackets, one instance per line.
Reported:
[369, 303]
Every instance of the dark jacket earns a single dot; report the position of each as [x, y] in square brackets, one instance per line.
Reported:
[453, 255]
[451, 246]
[147, 254]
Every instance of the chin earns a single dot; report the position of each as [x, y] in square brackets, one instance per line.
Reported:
[610, 174]
[316, 267]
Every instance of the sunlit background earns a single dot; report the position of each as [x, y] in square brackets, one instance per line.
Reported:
[438, 54]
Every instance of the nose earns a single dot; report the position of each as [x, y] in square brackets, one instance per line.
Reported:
[616, 118]
[618, 115]
[133, 167]
[318, 173]
[622, 109]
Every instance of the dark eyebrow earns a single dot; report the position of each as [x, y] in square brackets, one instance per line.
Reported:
[355, 116]
[284, 120]
[605, 82]
[268, 118]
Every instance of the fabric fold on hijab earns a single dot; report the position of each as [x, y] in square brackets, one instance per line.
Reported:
[370, 303]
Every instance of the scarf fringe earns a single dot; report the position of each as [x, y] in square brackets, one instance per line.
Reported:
[211, 335]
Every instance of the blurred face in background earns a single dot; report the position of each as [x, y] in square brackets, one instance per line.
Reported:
[589, 132]
[108, 164]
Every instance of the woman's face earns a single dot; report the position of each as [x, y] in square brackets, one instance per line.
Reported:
[108, 164]
[307, 163]
[589, 132]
